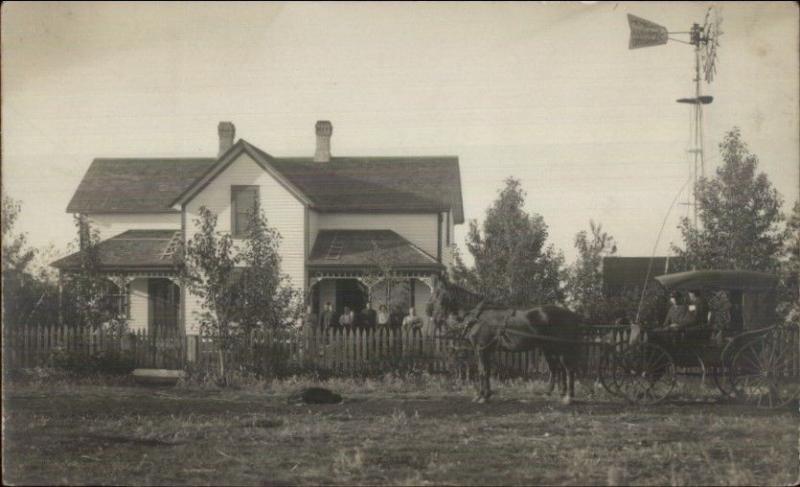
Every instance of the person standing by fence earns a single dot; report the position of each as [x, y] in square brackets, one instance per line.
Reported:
[412, 322]
[383, 318]
[310, 324]
[347, 320]
[326, 318]
[368, 317]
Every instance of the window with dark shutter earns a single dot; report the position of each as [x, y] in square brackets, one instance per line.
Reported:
[243, 201]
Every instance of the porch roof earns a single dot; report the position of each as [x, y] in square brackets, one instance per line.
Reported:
[131, 250]
[365, 249]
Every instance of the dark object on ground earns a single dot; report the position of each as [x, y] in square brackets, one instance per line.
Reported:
[315, 395]
[157, 377]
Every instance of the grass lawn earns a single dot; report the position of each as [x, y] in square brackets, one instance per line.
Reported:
[92, 434]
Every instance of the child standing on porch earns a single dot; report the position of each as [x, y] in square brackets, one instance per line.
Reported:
[347, 320]
[412, 321]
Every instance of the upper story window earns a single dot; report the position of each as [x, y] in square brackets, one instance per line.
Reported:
[243, 202]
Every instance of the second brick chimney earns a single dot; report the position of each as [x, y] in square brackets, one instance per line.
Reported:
[227, 132]
[324, 129]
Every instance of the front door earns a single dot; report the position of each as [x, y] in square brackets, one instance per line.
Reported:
[349, 293]
[164, 304]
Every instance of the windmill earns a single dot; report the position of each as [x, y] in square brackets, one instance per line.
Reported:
[705, 39]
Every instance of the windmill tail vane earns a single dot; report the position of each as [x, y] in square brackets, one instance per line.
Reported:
[705, 38]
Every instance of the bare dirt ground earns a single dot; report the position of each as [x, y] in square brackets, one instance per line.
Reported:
[93, 434]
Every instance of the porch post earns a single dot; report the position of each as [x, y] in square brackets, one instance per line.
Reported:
[60, 298]
[177, 281]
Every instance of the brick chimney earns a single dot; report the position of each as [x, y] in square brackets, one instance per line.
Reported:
[227, 132]
[324, 130]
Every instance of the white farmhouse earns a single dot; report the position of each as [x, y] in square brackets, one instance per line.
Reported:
[330, 211]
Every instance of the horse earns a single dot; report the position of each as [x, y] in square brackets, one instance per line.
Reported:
[553, 329]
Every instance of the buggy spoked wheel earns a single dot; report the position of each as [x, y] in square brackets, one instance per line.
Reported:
[645, 373]
[608, 373]
[764, 372]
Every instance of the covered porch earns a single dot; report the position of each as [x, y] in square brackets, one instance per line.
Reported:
[351, 268]
[143, 284]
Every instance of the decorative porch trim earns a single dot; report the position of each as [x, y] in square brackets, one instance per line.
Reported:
[371, 280]
[123, 279]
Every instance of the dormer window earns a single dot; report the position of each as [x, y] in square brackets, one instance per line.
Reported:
[243, 202]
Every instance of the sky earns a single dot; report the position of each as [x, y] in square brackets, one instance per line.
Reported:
[546, 92]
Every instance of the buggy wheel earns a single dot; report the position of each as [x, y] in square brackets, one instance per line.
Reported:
[645, 373]
[608, 375]
[763, 372]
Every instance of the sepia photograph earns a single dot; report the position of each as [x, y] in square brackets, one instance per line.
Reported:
[400, 243]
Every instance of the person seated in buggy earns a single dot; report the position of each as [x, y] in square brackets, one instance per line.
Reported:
[685, 321]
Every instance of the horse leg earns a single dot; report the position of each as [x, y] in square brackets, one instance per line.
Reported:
[483, 375]
[551, 382]
[487, 391]
[572, 382]
[479, 381]
[566, 381]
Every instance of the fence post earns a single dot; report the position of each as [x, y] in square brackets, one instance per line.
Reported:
[191, 348]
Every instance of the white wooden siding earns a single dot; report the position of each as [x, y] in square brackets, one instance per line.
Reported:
[448, 258]
[138, 304]
[111, 224]
[313, 228]
[418, 228]
[283, 211]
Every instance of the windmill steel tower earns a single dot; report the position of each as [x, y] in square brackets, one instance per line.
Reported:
[705, 40]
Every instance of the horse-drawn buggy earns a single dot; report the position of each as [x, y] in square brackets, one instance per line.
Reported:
[751, 358]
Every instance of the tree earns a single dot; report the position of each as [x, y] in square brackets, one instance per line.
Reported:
[739, 212]
[585, 277]
[267, 300]
[16, 256]
[208, 269]
[513, 264]
[19, 299]
[790, 272]
[89, 293]
[240, 289]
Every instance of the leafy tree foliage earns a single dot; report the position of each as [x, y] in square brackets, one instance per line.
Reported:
[90, 296]
[585, 276]
[791, 268]
[17, 295]
[30, 290]
[513, 263]
[267, 299]
[740, 215]
[241, 289]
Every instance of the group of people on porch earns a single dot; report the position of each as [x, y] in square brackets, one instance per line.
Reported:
[365, 319]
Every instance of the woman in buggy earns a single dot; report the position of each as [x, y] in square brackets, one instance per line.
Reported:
[685, 321]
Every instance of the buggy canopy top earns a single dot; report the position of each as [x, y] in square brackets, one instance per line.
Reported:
[722, 280]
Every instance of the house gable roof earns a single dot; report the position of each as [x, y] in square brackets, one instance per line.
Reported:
[225, 160]
[355, 184]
